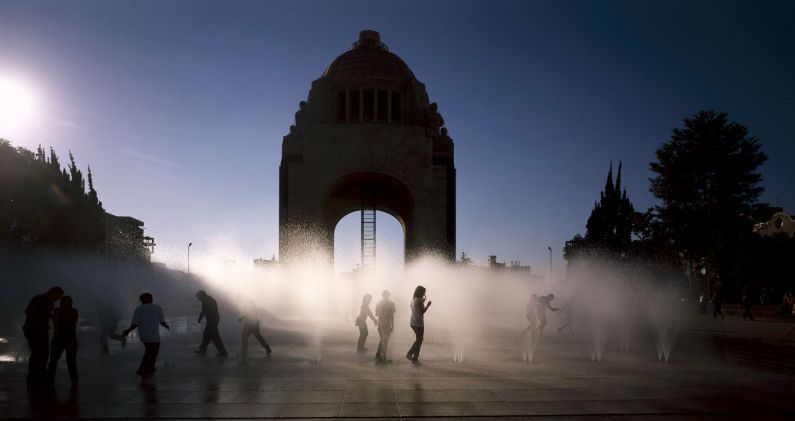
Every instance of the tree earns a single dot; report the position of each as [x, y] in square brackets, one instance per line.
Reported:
[708, 184]
[610, 226]
[44, 205]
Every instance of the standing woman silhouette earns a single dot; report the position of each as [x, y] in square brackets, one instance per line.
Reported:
[418, 309]
[361, 322]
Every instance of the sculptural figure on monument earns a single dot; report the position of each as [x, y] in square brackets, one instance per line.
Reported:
[301, 115]
[434, 120]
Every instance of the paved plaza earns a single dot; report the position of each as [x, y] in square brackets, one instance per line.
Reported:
[719, 369]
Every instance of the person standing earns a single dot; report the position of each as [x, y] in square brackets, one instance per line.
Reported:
[64, 338]
[717, 301]
[418, 309]
[211, 334]
[385, 311]
[530, 313]
[251, 327]
[37, 333]
[147, 318]
[361, 322]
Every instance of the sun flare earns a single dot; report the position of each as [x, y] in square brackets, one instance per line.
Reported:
[19, 106]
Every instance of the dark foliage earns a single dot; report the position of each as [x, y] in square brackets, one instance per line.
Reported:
[708, 184]
[44, 205]
[610, 226]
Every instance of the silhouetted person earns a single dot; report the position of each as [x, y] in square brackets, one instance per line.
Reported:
[385, 312]
[530, 313]
[361, 322]
[567, 312]
[786, 305]
[108, 323]
[748, 304]
[37, 333]
[64, 338]
[418, 309]
[211, 334]
[717, 301]
[702, 304]
[544, 303]
[148, 317]
[251, 327]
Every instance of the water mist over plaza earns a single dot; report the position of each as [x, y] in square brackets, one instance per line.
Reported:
[290, 226]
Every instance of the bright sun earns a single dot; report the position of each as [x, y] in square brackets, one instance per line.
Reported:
[18, 107]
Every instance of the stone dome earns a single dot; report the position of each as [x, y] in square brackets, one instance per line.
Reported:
[369, 58]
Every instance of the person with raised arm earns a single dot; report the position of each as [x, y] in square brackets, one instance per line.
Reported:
[147, 318]
[418, 309]
[544, 303]
[361, 322]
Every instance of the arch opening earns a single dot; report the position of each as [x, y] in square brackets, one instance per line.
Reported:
[368, 195]
[390, 245]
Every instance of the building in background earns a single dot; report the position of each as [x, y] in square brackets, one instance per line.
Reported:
[124, 237]
[262, 263]
[777, 223]
[367, 139]
[494, 267]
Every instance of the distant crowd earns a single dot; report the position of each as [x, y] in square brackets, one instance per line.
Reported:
[148, 317]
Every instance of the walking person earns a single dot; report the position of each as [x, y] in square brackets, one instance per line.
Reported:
[251, 327]
[568, 317]
[108, 322]
[37, 333]
[64, 338]
[418, 309]
[748, 305]
[385, 312]
[211, 334]
[544, 303]
[361, 322]
[147, 318]
[786, 306]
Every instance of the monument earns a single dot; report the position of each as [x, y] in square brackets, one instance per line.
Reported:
[367, 139]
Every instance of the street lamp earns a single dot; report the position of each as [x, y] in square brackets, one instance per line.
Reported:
[550, 263]
[189, 244]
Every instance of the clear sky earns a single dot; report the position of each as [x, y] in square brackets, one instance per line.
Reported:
[180, 106]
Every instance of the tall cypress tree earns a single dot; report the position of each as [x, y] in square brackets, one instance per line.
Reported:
[609, 228]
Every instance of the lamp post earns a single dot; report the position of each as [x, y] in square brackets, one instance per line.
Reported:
[550, 263]
[189, 244]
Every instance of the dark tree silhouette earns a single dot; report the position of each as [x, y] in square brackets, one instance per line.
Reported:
[44, 205]
[610, 226]
[708, 184]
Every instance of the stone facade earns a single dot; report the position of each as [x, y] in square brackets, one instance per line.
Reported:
[367, 126]
[124, 237]
[779, 223]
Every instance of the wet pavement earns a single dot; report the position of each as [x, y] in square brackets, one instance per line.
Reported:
[706, 378]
